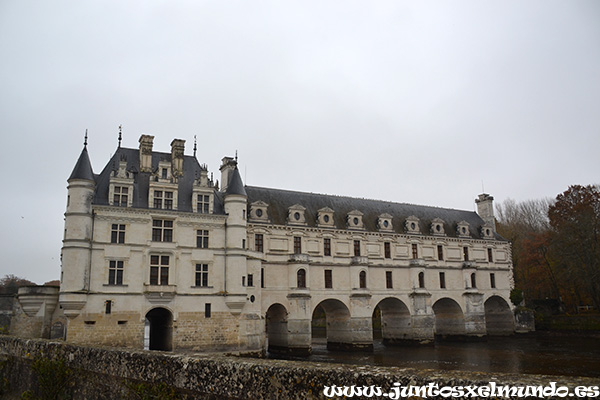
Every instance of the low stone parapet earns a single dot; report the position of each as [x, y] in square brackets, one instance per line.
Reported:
[105, 373]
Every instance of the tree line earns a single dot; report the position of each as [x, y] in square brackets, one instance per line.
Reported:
[556, 246]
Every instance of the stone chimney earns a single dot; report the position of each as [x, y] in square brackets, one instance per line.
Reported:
[177, 149]
[228, 164]
[485, 209]
[146, 153]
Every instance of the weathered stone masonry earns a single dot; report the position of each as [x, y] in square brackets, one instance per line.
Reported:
[105, 373]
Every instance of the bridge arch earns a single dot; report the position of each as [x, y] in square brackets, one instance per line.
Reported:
[158, 329]
[276, 320]
[499, 319]
[395, 320]
[340, 329]
[449, 318]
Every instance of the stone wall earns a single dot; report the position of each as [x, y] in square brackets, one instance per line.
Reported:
[6, 311]
[121, 329]
[103, 373]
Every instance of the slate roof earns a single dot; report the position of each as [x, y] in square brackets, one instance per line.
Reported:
[141, 180]
[280, 200]
[83, 167]
[235, 185]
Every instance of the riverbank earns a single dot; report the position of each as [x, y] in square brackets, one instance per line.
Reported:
[105, 373]
[568, 323]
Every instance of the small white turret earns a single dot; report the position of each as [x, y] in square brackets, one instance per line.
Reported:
[76, 250]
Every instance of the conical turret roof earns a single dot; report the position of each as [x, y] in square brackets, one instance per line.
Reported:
[83, 167]
[235, 184]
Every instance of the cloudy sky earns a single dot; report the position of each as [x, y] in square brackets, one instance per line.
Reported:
[422, 102]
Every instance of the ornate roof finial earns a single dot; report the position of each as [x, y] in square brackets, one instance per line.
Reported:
[85, 139]
[236, 156]
[194, 145]
[120, 129]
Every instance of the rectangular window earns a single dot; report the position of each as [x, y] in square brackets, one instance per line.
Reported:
[327, 246]
[250, 280]
[207, 310]
[297, 245]
[158, 197]
[258, 242]
[202, 239]
[328, 279]
[262, 277]
[163, 198]
[387, 250]
[117, 233]
[493, 280]
[466, 253]
[120, 197]
[203, 203]
[356, 248]
[415, 251]
[202, 275]
[440, 252]
[162, 230]
[490, 257]
[442, 280]
[168, 200]
[115, 272]
[388, 280]
[164, 173]
[159, 270]
[108, 306]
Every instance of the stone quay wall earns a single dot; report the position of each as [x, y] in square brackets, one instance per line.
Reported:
[108, 373]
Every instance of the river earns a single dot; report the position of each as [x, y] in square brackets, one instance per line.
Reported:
[547, 353]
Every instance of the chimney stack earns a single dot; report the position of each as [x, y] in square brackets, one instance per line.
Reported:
[227, 167]
[177, 149]
[485, 209]
[146, 153]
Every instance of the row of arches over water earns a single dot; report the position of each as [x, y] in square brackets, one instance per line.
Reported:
[331, 319]
[391, 321]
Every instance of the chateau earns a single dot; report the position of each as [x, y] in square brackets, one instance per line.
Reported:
[156, 255]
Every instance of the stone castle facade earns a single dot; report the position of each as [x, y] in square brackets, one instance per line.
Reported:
[155, 255]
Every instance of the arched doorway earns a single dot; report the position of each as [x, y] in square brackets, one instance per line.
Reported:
[393, 319]
[158, 334]
[449, 318]
[277, 329]
[499, 320]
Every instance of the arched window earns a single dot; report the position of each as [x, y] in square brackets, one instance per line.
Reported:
[362, 279]
[421, 280]
[473, 280]
[301, 278]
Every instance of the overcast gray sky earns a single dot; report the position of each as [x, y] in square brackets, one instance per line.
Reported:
[417, 102]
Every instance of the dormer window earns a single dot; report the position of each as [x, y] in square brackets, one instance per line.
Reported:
[325, 217]
[120, 196]
[120, 192]
[487, 232]
[296, 215]
[163, 199]
[412, 225]
[355, 220]
[258, 211]
[437, 227]
[163, 172]
[462, 229]
[384, 222]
